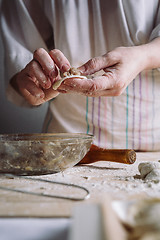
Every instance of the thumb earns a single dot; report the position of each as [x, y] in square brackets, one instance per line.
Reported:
[98, 63]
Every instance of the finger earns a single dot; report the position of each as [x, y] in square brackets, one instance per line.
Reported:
[34, 70]
[98, 63]
[36, 96]
[28, 85]
[49, 94]
[87, 85]
[104, 93]
[60, 60]
[46, 62]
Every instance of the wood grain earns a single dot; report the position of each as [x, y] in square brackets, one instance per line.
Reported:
[127, 156]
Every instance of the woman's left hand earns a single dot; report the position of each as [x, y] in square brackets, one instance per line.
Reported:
[119, 66]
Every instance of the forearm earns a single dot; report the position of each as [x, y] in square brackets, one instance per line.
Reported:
[150, 54]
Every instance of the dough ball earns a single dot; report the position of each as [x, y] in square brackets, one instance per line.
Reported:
[153, 175]
[146, 168]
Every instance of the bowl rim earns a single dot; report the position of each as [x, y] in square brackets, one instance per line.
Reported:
[11, 137]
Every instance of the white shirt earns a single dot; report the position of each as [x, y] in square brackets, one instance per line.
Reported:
[82, 30]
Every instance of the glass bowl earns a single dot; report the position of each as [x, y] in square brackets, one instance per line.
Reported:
[36, 154]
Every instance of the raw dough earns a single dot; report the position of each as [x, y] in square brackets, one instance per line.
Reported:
[72, 73]
[149, 170]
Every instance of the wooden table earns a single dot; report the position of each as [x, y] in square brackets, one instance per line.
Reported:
[119, 181]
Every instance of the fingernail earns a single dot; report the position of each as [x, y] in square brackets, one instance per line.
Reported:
[44, 81]
[53, 74]
[39, 95]
[47, 84]
[65, 67]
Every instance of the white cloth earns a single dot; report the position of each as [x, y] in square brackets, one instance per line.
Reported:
[82, 30]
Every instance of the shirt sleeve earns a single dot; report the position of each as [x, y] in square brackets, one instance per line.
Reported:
[21, 37]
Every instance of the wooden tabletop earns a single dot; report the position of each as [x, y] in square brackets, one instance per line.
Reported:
[119, 181]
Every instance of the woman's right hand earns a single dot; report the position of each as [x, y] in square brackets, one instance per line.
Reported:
[35, 81]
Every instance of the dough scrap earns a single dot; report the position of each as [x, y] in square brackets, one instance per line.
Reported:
[149, 170]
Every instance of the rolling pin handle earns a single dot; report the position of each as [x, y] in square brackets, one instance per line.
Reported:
[95, 154]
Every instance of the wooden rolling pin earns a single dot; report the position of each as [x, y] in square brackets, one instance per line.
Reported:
[127, 156]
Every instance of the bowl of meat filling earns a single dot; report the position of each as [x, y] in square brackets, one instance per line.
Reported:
[35, 154]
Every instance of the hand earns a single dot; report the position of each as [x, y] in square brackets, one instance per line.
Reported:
[35, 81]
[119, 66]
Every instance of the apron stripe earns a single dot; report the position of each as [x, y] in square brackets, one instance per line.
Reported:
[127, 100]
[93, 99]
[153, 108]
[87, 115]
[133, 113]
[146, 137]
[140, 105]
[99, 120]
[112, 124]
[105, 121]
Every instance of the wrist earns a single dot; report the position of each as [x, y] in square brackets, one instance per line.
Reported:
[149, 54]
[143, 58]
